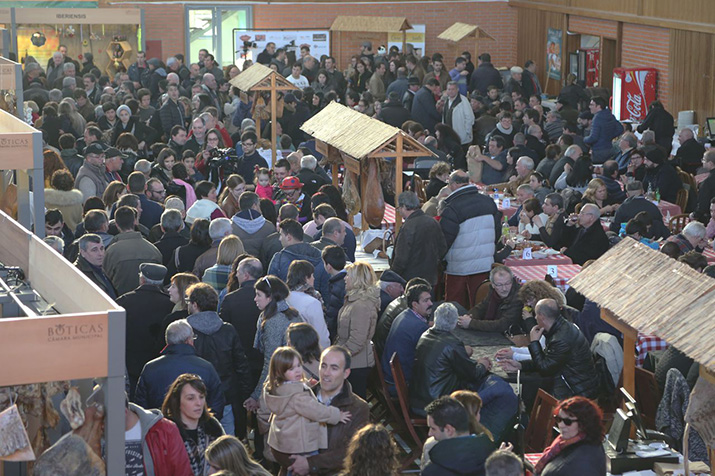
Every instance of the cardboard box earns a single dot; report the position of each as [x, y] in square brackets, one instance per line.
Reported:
[670, 469]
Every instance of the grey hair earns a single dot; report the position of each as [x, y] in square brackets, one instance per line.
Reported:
[171, 220]
[171, 60]
[445, 317]
[573, 149]
[525, 187]
[592, 209]
[695, 229]
[527, 162]
[178, 332]
[56, 54]
[503, 463]
[55, 95]
[175, 203]
[67, 67]
[631, 139]
[219, 228]
[55, 242]
[143, 166]
[308, 162]
[252, 266]
[409, 200]
[155, 282]
[68, 81]
[501, 269]
[648, 137]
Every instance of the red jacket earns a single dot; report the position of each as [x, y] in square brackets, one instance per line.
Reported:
[167, 453]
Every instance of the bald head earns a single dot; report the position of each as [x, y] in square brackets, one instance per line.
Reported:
[458, 179]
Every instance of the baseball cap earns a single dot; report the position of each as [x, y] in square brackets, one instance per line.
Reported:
[112, 152]
[291, 183]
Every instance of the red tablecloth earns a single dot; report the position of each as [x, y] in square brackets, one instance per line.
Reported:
[647, 343]
[666, 207]
[558, 259]
[529, 273]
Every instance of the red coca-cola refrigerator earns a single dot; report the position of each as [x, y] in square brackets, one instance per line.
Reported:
[633, 91]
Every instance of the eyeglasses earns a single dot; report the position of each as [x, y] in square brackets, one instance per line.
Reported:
[248, 144]
[502, 285]
[565, 421]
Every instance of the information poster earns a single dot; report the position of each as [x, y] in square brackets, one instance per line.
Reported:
[553, 53]
[415, 36]
[248, 44]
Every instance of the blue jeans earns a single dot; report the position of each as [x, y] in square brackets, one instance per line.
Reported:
[499, 405]
[227, 421]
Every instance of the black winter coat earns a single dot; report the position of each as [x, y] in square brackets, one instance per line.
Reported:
[706, 192]
[590, 245]
[508, 312]
[145, 308]
[334, 301]
[171, 115]
[567, 358]
[384, 322]
[584, 459]
[160, 373]
[394, 114]
[218, 342]
[634, 205]
[484, 76]
[168, 243]
[463, 456]
[444, 367]
[661, 123]
[239, 309]
[419, 248]
[665, 179]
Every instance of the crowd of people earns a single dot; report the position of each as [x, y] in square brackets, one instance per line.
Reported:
[251, 327]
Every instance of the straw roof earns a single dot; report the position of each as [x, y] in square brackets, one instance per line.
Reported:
[654, 294]
[356, 134]
[459, 31]
[258, 77]
[370, 24]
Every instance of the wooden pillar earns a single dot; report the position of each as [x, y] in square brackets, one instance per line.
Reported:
[274, 117]
[404, 41]
[398, 179]
[335, 171]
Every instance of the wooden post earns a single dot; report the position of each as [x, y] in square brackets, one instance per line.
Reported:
[335, 170]
[274, 117]
[404, 41]
[398, 179]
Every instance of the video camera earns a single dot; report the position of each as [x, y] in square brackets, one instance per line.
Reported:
[224, 160]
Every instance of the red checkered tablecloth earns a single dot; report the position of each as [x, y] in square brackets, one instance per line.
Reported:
[558, 259]
[648, 343]
[529, 273]
[709, 254]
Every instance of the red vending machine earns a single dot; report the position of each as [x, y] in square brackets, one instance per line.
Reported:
[633, 91]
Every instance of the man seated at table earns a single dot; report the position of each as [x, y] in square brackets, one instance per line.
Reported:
[609, 175]
[706, 189]
[692, 238]
[523, 193]
[445, 366]
[566, 357]
[494, 160]
[501, 309]
[552, 232]
[406, 331]
[660, 175]
[524, 166]
[588, 239]
[636, 203]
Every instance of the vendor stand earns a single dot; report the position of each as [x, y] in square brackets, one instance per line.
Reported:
[362, 143]
[83, 30]
[459, 31]
[57, 326]
[258, 79]
[370, 28]
[637, 304]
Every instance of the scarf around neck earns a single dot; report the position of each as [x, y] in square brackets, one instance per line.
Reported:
[555, 449]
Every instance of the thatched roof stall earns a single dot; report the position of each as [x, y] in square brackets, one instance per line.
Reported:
[259, 78]
[459, 31]
[346, 136]
[368, 24]
[645, 277]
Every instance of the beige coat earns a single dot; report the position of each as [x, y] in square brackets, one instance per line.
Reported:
[298, 419]
[68, 202]
[356, 325]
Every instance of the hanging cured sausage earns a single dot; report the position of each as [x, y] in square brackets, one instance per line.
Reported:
[374, 200]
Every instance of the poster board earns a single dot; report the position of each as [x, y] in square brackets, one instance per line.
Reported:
[290, 40]
[415, 36]
[554, 46]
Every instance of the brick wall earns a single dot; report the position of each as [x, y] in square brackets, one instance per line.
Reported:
[593, 26]
[649, 47]
[164, 23]
[497, 18]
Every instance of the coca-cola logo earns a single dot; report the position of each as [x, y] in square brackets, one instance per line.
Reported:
[634, 105]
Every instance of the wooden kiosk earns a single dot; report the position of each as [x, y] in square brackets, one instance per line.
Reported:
[376, 26]
[59, 325]
[259, 78]
[459, 31]
[22, 156]
[655, 295]
[345, 136]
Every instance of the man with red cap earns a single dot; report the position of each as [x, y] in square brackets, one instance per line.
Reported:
[292, 188]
